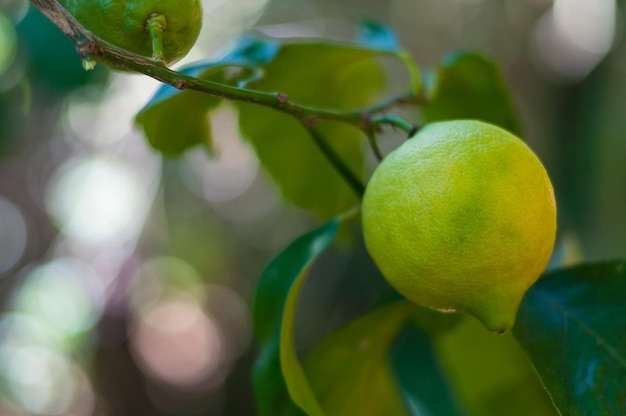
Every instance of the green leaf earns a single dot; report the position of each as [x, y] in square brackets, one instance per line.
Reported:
[490, 373]
[179, 123]
[322, 75]
[572, 325]
[378, 36]
[419, 375]
[278, 374]
[304, 176]
[349, 370]
[174, 120]
[469, 86]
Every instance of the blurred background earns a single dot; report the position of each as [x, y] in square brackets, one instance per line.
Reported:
[126, 279]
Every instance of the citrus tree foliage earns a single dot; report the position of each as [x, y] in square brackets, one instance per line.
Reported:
[330, 100]
[560, 328]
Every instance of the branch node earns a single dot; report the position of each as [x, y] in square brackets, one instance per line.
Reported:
[179, 84]
[84, 47]
[310, 121]
[282, 98]
[412, 132]
[366, 119]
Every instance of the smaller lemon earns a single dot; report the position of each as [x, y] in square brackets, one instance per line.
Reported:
[162, 29]
[461, 217]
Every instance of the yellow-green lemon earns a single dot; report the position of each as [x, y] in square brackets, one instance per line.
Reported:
[126, 24]
[461, 217]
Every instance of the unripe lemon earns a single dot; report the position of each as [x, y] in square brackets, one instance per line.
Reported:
[125, 23]
[461, 217]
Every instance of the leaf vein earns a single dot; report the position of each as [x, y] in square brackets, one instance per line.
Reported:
[600, 341]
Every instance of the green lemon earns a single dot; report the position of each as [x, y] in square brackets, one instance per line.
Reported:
[162, 29]
[461, 217]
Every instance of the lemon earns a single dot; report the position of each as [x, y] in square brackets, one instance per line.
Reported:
[175, 24]
[461, 217]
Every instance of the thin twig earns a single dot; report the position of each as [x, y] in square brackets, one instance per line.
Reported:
[336, 161]
[371, 138]
[90, 46]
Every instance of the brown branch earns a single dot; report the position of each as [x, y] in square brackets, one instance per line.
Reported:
[90, 46]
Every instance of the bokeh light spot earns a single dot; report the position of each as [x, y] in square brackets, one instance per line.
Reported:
[66, 295]
[39, 379]
[161, 276]
[222, 21]
[177, 343]
[229, 175]
[102, 119]
[20, 330]
[97, 201]
[588, 24]
[573, 36]
[14, 9]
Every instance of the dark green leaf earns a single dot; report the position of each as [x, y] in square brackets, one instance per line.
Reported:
[179, 123]
[489, 373]
[469, 86]
[324, 76]
[349, 370]
[50, 57]
[278, 374]
[572, 324]
[419, 376]
[174, 120]
[377, 36]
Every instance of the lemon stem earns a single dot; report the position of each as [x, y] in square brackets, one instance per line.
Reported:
[396, 121]
[156, 25]
[336, 161]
